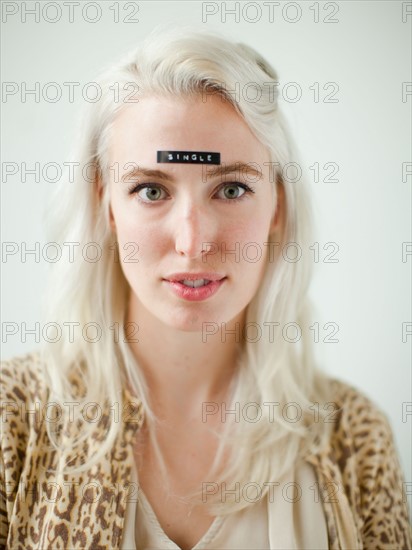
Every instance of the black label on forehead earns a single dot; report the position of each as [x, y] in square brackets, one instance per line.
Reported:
[189, 157]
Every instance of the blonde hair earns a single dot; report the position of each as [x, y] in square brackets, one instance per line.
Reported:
[182, 63]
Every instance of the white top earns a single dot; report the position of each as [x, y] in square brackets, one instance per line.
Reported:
[289, 517]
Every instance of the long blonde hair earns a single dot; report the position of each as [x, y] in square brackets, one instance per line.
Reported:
[93, 294]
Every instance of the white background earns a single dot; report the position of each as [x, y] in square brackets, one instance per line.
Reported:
[367, 133]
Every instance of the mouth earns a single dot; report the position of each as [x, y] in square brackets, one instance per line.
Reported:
[195, 289]
[196, 283]
[194, 280]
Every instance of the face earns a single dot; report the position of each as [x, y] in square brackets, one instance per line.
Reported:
[184, 218]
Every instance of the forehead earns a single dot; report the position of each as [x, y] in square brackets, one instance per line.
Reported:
[182, 124]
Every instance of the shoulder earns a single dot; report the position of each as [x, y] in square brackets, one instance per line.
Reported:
[24, 394]
[23, 379]
[353, 419]
[362, 457]
[360, 429]
[24, 390]
[354, 408]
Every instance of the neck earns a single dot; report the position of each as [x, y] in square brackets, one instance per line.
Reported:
[183, 369]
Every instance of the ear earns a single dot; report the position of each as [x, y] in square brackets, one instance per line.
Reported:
[278, 219]
[98, 184]
[111, 219]
[100, 197]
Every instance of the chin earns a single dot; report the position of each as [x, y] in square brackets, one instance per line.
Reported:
[188, 321]
[207, 321]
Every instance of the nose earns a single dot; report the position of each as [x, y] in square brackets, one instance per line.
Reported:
[194, 230]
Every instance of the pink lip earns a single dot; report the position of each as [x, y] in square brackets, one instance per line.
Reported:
[210, 276]
[195, 294]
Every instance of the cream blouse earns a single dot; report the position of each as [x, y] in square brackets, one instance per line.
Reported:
[289, 517]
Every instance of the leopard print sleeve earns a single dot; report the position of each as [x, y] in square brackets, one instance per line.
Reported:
[384, 505]
[367, 457]
[4, 526]
[19, 383]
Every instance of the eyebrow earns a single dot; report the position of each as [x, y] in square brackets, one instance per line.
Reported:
[220, 170]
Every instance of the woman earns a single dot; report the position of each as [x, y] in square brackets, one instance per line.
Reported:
[172, 408]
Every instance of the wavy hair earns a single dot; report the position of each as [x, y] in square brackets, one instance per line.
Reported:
[93, 294]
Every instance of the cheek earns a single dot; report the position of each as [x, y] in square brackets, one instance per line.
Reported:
[249, 232]
[148, 244]
[248, 240]
[136, 239]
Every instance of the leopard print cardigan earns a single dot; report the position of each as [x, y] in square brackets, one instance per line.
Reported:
[87, 510]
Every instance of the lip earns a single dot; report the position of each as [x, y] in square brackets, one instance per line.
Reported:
[210, 276]
[195, 294]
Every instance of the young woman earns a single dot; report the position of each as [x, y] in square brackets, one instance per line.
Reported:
[178, 404]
